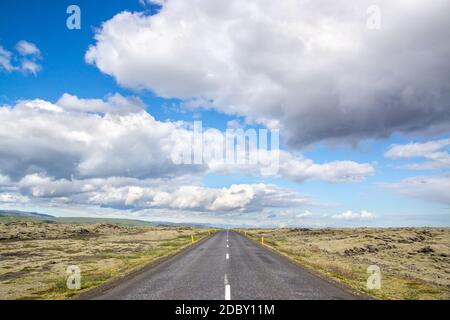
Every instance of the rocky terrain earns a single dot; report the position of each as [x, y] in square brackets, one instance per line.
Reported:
[29, 230]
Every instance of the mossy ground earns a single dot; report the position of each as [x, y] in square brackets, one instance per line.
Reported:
[34, 256]
[414, 262]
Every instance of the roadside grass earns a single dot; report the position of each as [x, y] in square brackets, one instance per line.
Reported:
[352, 271]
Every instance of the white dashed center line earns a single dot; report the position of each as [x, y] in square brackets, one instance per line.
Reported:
[227, 289]
[227, 285]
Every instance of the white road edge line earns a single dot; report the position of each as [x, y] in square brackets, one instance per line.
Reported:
[228, 246]
[227, 289]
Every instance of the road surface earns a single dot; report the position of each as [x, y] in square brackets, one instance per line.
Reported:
[226, 266]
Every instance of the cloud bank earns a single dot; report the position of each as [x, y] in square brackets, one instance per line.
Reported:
[428, 188]
[112, 153]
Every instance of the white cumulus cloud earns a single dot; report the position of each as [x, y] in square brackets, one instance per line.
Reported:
[355, 216]
[26, 48]
[432, 151]
[5, 60]
[28, 56]
[311, 68]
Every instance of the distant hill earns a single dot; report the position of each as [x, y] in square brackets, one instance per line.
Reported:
[24, 214]
[14, 215]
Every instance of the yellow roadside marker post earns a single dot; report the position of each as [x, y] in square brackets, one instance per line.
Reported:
[262, 240]
[193, 240]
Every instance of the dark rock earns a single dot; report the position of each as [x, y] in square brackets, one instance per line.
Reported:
[426, 250]
[83, 231]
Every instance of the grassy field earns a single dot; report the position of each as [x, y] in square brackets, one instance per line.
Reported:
[34, 255]
[414, 262]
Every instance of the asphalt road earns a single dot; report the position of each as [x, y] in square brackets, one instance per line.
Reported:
[226, 266]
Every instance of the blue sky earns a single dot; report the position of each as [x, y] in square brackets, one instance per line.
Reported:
[63, 50]
[335, 199]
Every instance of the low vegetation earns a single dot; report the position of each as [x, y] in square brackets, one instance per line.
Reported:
[414, 262]
[34, 255]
